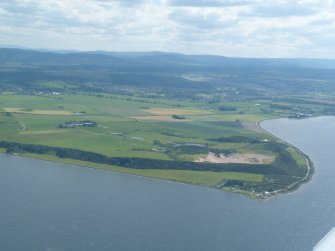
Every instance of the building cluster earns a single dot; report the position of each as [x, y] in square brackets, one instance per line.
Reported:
[73, 124]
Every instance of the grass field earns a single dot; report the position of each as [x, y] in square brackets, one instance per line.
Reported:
[34, 124]
[169, 112]
[210, 179]
[159, 118]
[131, 127]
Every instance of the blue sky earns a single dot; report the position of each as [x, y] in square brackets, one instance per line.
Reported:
[250, 28]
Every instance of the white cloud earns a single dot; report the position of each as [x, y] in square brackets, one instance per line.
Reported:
[282, 9]
[210, 3]
[279, 28]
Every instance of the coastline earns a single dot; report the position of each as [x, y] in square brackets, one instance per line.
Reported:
[310, 166]
[116, 169]
[140, 173]
[106, 168]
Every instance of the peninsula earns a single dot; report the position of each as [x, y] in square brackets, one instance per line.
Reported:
[203, 131]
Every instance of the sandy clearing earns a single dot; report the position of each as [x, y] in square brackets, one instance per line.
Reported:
[248, 158]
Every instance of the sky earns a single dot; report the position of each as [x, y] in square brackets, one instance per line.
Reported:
[236, 28]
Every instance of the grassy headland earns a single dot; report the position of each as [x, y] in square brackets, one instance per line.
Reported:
[165, 146]
[187, 118]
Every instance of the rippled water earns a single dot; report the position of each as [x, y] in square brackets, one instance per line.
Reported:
[49, 206]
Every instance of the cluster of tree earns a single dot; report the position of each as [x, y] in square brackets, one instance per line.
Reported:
[225, 108]
[285, 159]
[141, 163]
[235, 139]
[281, 107]
[12, 147]
[175, 116]
[233, 183]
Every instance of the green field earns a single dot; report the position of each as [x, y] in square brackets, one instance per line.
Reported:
[143, 128]
[210, 179]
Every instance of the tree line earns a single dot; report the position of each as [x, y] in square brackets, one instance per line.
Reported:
[141, 163]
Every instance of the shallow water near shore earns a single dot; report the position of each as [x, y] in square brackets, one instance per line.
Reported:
[50, 206]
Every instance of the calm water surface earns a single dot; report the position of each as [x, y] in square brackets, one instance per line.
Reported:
[49, 206]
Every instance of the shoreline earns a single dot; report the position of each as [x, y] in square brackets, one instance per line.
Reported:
[310, 166]
[241, 193]
[260, 197]
[121, 173]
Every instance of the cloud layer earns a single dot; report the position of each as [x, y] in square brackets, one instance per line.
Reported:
[279, 28]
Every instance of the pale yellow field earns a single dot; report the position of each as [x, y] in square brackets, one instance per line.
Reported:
[37, 112]
[158, 118]
[169, 112]
[42, 132]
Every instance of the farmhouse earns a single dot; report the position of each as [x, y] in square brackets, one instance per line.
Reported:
[73, 124]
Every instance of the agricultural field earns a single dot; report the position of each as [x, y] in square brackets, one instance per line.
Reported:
[182, 141]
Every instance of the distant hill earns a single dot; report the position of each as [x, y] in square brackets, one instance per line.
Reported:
[34, 57]
[27, 69]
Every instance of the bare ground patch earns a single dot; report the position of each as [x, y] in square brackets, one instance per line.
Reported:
[247, 158]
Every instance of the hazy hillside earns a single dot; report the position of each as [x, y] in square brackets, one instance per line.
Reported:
[29, 69]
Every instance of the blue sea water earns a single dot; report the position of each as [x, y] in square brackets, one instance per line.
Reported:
[50, 206]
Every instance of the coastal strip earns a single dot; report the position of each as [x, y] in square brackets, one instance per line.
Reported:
[309, 164]
[203, 178]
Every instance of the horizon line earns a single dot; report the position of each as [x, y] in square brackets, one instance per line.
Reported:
[69, 51]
